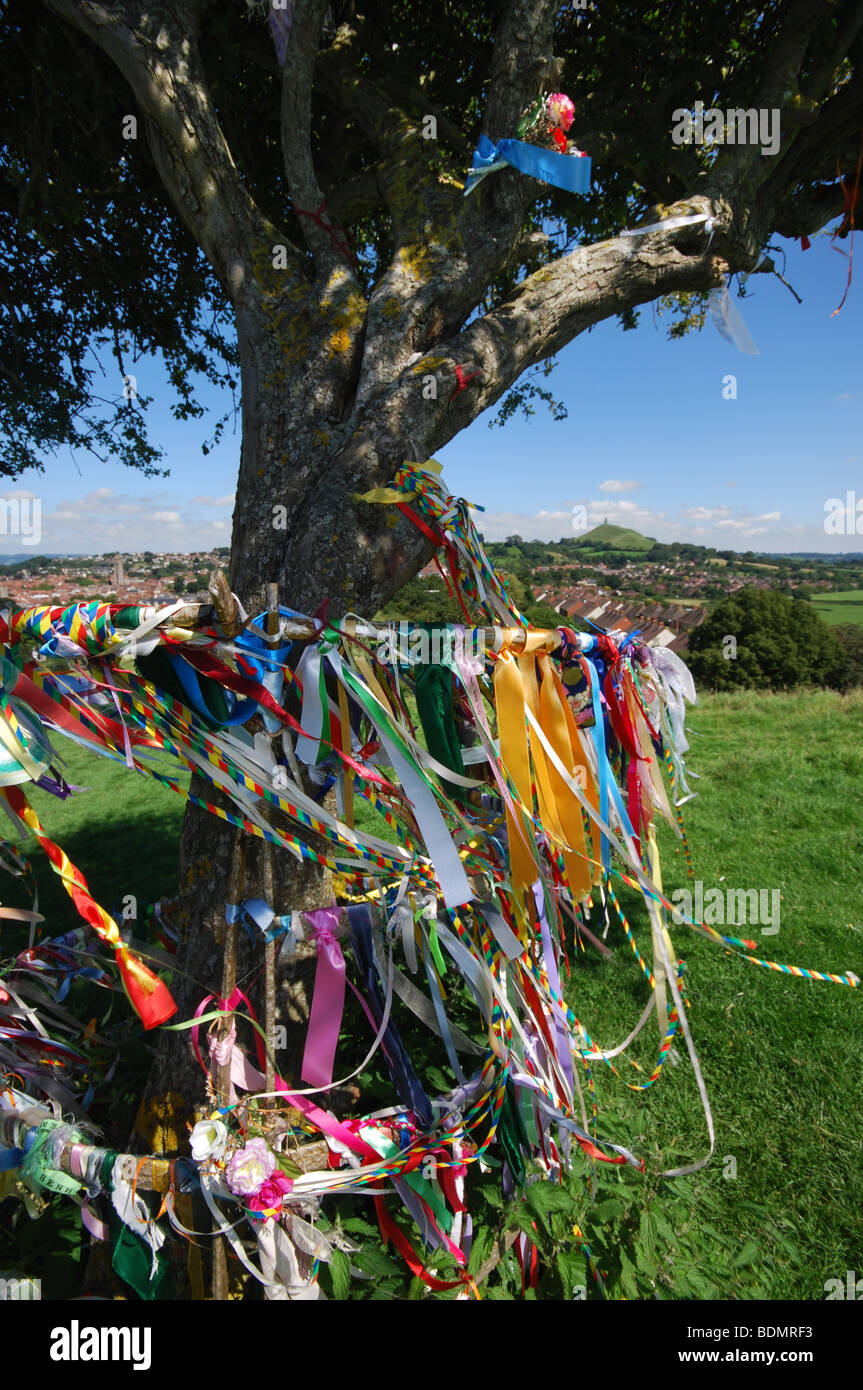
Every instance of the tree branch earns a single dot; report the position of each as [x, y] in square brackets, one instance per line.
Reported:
[736, 165]
[522, 58]
[296, 130]
[556, 304]
[155, 48]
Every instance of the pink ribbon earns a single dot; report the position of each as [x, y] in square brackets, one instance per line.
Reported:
[250, 1079]
[328, 1004]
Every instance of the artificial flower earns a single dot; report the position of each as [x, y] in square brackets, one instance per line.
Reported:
[208, 1139]
[560, 109]
[249, 1168]
[269, 1196]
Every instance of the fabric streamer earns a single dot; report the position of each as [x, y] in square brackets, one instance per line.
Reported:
[569, 172]
[729, 321]
[482, 886]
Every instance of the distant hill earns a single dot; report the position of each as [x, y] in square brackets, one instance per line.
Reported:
[613, 537]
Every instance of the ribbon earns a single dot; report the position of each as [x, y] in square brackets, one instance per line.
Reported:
[569, 172]
[148, 994]
[668, 224]
[728, 321]
[325, 1019]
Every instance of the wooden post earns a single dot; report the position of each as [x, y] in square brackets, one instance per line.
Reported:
[269, 893]
[223, 1071]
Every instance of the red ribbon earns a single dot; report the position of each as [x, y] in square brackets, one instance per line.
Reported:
[217, 671]
[463, 380]
[330, 228]
[391, 1232]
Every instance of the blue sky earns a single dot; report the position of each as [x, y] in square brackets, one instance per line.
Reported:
[650, 441]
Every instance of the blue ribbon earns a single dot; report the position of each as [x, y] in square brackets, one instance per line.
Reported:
[569, 172]
[607, 782]
[239, 710]
[598, 733]
[254, 912]
[259, 661]
[405, 1079]
[268, 662]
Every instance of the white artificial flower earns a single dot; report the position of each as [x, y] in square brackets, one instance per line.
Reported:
[208, 1139]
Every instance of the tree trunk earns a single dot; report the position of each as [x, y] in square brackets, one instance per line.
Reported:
[298, 457]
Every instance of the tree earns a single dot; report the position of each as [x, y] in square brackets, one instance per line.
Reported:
[763, 639]
[849, 669]
[300, 231]
[542, 615]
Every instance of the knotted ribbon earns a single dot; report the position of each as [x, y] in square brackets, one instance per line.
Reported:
[569, 172]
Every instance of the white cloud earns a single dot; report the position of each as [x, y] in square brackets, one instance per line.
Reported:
[709, 526]
[203, 500]
[705, 513]
[104, 520]
[618, 485]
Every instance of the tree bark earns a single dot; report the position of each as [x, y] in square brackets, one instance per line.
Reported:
[297, 455]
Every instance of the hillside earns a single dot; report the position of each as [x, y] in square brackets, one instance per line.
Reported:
[610, 537]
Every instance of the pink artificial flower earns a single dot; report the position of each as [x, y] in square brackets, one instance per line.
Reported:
[269, 1198]
[560, 109]
[249, 1168]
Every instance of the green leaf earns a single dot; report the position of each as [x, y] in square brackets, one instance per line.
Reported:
[571, 1267]
[747, 1255]
[386, 1290]
[608, 1210]
[628, 1277]
[372, 1260]
[647, 1234]
[543, 1198]
[480, 1250]
[340, 1271]
[355, 1226]
[521, 1217]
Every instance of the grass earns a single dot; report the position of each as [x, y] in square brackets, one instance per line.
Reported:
[840, 606]
[122, 833]
[778, 807]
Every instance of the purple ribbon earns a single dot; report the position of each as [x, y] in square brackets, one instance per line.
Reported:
[328, 1004]
[561, 1030]
[280, 28]
[58, 786]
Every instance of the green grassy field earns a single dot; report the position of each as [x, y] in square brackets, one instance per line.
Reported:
[122, 833]
[779, 1210]
[777, 807]
[841, 606]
